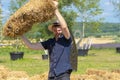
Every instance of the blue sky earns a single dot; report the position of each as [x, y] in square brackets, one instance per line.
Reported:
[108, 14]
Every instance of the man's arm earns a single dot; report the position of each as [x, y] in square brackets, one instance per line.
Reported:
[35, 46]
[62, 21]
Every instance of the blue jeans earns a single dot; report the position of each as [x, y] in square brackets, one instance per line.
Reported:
[64, 76]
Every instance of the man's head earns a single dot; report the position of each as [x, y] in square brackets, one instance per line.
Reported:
[55, 28]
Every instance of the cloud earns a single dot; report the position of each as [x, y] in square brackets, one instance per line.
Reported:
[107, 3]
[118, 1]
[106, 14]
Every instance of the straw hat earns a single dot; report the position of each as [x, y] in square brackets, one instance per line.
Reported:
[55, 24]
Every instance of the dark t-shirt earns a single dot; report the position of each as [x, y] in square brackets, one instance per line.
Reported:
[59, 55]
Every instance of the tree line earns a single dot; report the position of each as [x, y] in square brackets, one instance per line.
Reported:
[104, 29]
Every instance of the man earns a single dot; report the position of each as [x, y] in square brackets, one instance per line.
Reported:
[58, 48]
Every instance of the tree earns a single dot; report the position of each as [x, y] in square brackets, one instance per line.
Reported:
[116, 4]
[0, 15]
[0, 20]
[15, 5]
[87, 11]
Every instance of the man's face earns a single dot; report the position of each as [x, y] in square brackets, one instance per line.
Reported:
[57, 30]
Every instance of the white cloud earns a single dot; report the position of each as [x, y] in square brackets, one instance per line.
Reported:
[118, 1]
[106, 14]
[107, 3]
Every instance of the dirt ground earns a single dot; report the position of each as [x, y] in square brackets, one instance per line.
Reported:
[93, 40]
[97, 40]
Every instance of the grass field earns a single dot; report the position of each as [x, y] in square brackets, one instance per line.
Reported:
[32, 63]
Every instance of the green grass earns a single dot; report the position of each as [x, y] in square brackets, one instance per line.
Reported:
[32, 63]
[103, 59]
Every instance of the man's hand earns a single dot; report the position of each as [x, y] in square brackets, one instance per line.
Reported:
[55, 3]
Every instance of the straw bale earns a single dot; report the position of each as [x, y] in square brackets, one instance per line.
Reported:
[14, 78]
[43, 76]
[96, 72]
[18, 74]
[32, 12]
[91, 74]
[111, 76]
[3, 72]
[78, 77]
[94, 77]
[116, 71]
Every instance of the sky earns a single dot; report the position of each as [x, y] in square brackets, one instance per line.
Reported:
[108, 11]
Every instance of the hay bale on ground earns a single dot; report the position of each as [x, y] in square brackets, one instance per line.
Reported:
[14, 78]
[91, 74]
[18, 74]
[32, 12]
[116, 71]
[43, 76]
[3, 72]
[96, 72]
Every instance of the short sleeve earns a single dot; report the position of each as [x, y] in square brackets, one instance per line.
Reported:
[46, 44]
[69, 40]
